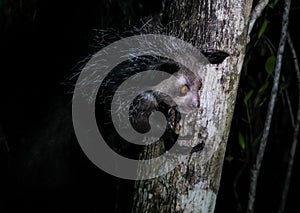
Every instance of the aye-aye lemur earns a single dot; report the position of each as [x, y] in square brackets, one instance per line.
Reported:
[174, 97]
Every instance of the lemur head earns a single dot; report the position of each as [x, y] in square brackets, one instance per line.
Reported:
[187, 86]
[183, 88]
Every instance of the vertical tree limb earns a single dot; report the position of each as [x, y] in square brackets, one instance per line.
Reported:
[256, 167]
[212, 26]
[295, 136]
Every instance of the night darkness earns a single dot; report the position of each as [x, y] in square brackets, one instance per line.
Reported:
[43, 169]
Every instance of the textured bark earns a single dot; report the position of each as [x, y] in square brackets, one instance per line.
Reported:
[209, 25]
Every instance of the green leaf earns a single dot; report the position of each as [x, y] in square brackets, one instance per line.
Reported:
[263, 28]
[229, 158]
[242, 141]
[283, 86]
[270, 64]
[273, 4]
[263, 88]
[248, 96]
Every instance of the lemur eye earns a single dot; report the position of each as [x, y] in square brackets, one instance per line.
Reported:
[183, 90]
[200, 85]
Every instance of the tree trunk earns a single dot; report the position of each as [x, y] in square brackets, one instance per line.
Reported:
[214, 27]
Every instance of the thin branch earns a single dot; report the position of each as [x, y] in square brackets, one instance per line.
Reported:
[235, 192]
[295, 136]
[255, 14]
[256, 167]
[287, 97]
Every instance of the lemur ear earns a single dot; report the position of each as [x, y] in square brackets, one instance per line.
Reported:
[215, 56]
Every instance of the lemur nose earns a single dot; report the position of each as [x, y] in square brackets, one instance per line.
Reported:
[196, 104]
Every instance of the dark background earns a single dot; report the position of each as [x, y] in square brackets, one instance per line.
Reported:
[44, 170]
